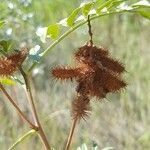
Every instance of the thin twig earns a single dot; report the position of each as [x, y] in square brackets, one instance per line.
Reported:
[90, 31]
[17, 108]
[34, 112]
[21, 139]
[71, 134]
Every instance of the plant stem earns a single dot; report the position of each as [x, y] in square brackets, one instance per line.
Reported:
[47, 50]
[34, 112]
[17, 108]
[21, 139]
[71, 134]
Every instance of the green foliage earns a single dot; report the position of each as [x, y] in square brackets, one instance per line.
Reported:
[98, 8]
[53, 31]
[143, 8]
[7, 81]
[86, 8]
[71, 19]
[2, 23]
[5, 45]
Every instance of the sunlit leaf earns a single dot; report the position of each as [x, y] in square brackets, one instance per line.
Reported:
[143, 7]
[145, 13]
[99, 2]
[103, 5]
[142, 3]
[73, 16]
[7, 81]
[86, 8]
[53, 31]
[42, 33]
[2, 23]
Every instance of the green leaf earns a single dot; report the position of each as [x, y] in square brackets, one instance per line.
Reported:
[5, 45]
[142, 3]
[143, 8]
[104, 5]
[86, 8]
[109, 5]
[7, 81]
[2, 23]
[73, 16]
[114, 4]
[145, 13]
[99, 2]
[53, 31]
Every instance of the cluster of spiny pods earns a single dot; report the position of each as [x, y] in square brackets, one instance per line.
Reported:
[96, 74]
[9, 64]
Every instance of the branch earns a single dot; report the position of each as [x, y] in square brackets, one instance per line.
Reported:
[34, 111]
[17, 108]
[69, 140]
[21, 139]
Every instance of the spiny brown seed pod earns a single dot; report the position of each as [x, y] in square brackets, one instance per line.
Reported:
[108, 81]
[80, 107]
[65, 73]
[89, 53]
[18, 57]
[10, 64]
[7, 67]
[96, 73]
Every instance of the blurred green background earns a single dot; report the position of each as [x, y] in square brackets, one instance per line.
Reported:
[122, 121]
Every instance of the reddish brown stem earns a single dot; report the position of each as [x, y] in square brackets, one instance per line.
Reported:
[90, 31]
[71, 134]
[33, 109]
[17, 108]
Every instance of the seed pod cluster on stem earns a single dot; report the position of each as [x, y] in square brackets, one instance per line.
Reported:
[96, 74]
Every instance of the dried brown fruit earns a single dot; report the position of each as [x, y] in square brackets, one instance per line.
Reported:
[80, 107]
[10, 64]
[65, 73]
